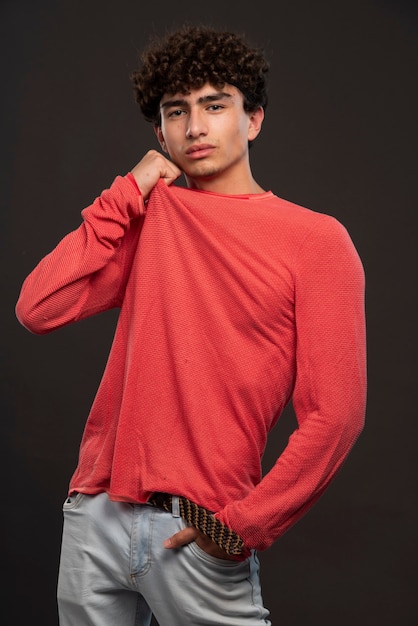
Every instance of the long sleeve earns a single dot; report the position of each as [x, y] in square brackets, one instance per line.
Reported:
[230, 307]
[87, 271]
[329, 394]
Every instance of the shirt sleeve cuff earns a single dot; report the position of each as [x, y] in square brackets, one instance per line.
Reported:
[142, 204]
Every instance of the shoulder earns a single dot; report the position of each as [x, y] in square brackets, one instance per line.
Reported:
[304, 215]
[320, 238]
[310, 227]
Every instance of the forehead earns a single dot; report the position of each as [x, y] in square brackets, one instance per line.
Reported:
[200, 94]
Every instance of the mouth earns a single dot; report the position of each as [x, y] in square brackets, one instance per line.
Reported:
[199, 151]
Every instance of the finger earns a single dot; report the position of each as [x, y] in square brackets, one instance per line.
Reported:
[171, 174]
[181, 538]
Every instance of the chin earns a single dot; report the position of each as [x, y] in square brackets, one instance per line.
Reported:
[204, 172]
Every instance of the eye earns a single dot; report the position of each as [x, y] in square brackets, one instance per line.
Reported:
[215, 107]
[175, 113]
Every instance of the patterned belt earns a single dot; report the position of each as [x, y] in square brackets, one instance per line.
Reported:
[203, 520]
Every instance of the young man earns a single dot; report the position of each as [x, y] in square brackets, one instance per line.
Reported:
[232, 302]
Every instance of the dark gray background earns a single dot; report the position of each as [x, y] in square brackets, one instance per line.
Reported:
[340, 136]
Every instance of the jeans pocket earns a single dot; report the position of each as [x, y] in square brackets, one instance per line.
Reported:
[72, 501]
[214, 560]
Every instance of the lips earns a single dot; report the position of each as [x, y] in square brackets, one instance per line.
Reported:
[199, 150]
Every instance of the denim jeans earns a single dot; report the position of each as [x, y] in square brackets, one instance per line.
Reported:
[114, 571]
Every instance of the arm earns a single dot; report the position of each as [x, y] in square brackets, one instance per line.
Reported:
[87, 272]
[329, 393]
[330, 388]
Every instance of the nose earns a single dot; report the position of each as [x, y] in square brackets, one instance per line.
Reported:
[196, 125]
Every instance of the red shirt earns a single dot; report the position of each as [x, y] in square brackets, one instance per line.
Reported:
[230, 307]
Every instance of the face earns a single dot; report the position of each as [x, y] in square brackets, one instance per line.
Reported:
[206, 133]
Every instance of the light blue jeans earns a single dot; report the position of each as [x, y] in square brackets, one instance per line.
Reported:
[114, 571]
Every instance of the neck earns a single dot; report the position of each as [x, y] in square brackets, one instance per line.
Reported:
[217, 184]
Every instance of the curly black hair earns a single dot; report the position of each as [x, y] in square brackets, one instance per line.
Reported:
[193, 56]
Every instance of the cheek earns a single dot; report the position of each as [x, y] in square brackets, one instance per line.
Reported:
[174, 138]
[240, 135]
[239, 140]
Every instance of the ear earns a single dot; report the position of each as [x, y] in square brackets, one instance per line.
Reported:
[255, 122]
[160, 137]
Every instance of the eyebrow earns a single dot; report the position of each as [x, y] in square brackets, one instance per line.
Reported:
[219, 95]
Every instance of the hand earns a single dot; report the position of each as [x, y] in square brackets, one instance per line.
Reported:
[151, 168]
[189, 534]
